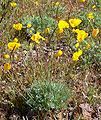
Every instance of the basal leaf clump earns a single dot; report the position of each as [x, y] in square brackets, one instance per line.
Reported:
[47, 95]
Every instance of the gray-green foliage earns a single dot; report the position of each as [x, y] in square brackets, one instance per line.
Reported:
[93, 55]
[39, 23]
[47, 95]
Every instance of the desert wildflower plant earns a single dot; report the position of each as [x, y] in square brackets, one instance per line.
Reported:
[59, 53]
[50, 58]
[14, 44]
[7, 66]
[61, 25]
[36, 37]
[75, 22]
[76, 55]
[13, 4]
[90, 15]
[81, 35]
[6, 56]
[17, 26]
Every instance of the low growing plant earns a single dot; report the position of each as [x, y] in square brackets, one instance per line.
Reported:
[47, 95]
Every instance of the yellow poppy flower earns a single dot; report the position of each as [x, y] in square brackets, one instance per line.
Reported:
[62, 24]
[17, 26]
[14, 45]
[59, 53]
[95, 32]
[15, 40]
[29, 25]
[90, 15]
[47, 30]
[88, 46]
[36, 37]
[6, 56]
[7, 66]
[13, 4]
[75, 22]
[94, 6]
[81, 35]
[76, 55]
[77, 45]
[80, 52]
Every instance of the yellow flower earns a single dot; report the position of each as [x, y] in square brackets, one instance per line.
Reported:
[94, 6]
[57, 3]
[95, 32]
[88, 46]
[17, 26]
[15, 40]
[13, 4]
[76, 55]
[81, 35]
[60, 31]
[36, 37]
[59, 53]
[80, 52]
[7, 66]
[6, 56]
[77, 45]
[14, 45]
[62, 24]
[82, 0]
[75, 22]
[30, 31]
[90, 15]
[47, 30]
[29, 25]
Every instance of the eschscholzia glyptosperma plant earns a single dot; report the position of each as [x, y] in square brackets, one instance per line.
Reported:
[51, 42]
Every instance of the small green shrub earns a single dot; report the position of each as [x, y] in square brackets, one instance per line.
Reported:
[47, 95]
